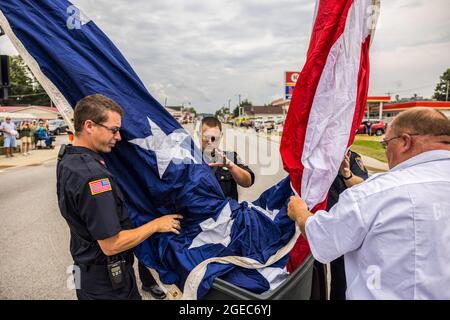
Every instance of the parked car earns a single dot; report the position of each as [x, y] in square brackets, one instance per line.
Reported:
[258, 125]
[378, 127]
[269, 125]
[55, 127]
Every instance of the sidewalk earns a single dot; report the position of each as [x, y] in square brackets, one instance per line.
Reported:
[373, 165]
[36, 157]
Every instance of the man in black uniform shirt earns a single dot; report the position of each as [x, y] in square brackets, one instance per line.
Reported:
[226, 166]
[102, 234]
[351, 173]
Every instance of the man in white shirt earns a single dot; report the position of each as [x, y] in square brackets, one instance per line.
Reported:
[393, 229]
[9, 135]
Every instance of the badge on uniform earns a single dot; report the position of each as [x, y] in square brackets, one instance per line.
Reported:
[100, 186]
[360, 164]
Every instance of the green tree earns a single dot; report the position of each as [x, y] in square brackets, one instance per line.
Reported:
[442, 88]
[24, 88]
[244, 103]
[191, 110]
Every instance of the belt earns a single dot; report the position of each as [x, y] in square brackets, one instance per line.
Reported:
[129, 260]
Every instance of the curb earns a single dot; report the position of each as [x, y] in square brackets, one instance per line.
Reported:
[6, 168]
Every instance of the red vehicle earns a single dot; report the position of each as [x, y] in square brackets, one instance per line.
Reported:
[378, 127]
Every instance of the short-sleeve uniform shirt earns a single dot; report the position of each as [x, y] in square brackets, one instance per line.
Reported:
[91, 202]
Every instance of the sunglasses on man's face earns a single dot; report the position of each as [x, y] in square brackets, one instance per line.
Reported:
[113, 130]
[208, 138]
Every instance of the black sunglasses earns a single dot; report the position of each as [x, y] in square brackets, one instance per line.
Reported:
[113, 130]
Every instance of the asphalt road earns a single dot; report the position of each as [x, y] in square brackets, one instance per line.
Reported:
[260, 154]
[34, 238]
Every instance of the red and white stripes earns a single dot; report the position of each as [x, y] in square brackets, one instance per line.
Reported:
[328, 102]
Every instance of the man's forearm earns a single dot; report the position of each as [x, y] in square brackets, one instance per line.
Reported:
[128, 239]
[242, 177]
[353, 181]
[301, 222]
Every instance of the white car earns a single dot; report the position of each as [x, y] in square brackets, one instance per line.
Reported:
[55, 127]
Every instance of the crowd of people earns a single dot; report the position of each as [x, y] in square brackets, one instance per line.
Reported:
[27, 135]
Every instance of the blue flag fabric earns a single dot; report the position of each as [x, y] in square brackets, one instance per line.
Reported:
[157, 165]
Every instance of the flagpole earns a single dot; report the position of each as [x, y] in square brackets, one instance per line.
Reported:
[314, 17]
[315, 12]
[376, 14]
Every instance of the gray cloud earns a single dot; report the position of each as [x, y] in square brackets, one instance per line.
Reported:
[207, 52]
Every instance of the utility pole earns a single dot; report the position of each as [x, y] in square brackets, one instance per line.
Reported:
[239, 96]
[448, 84]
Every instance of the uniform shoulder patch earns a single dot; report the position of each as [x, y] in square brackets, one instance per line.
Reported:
[100, 186]
[360, 164]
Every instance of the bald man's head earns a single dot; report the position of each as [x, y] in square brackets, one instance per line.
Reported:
[416, 131]
[422, 121]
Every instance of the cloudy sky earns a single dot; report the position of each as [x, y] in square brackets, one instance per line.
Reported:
[208, 52]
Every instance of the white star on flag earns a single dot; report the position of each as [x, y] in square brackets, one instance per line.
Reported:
[215, 231]
[166, 147]
[271, 214]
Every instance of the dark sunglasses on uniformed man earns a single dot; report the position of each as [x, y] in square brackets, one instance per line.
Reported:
[208, 138]
[113, 130]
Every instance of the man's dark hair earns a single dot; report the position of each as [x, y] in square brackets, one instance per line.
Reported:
[212, 122]
[94, 108]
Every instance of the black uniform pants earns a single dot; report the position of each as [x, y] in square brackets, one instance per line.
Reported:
[145, 275]
[96, 285]
[338, 281]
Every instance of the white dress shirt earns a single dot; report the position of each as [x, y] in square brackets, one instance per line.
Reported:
[394, 230]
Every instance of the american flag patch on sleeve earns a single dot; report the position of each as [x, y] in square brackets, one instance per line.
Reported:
[100, 186]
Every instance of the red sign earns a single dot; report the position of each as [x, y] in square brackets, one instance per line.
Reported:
[291, 78]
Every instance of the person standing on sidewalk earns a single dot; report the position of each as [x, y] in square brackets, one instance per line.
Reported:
[33, 127]
[369, 127]
[9, 135]
[25, 136]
